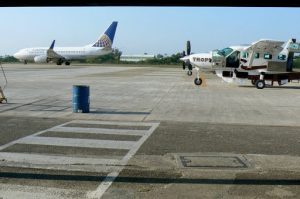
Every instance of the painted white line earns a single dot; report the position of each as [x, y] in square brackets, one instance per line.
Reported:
[89, 143]
[35, 134]
[99, 131]
[98, 168]
[101, 189]
[117, 123]
[39, 159]
[31, 158]
[139, 143]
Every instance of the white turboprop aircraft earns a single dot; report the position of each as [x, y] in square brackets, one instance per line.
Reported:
[59, 55]
[261, 61]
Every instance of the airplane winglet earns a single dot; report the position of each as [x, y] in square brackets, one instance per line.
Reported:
[52, 45]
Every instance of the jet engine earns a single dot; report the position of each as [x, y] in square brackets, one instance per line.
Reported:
[41, 59]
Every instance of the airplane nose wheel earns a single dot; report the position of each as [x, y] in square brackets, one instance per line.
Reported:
[198, 81]
[189, 73]
[260, 84]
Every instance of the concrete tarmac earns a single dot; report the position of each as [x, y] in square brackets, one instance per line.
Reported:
[151, 133]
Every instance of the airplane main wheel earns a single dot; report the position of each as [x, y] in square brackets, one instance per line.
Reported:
[260, 84]
[198, 81]
[67, 63]
[189, 73]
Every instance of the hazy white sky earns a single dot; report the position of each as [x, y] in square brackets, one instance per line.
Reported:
[145, 29]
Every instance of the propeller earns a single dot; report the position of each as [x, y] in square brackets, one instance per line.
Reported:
[183, 63]
[188, 47]
[185, 59]
[188, 51]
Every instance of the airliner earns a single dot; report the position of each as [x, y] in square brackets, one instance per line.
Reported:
[65, 55]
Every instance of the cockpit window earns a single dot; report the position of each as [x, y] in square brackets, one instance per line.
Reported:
[226, 51]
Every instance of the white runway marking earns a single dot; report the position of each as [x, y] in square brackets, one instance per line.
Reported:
[98, 193]
[113, 123]
[98, 131]
[112, 163]
[72, 142]
[31, 158]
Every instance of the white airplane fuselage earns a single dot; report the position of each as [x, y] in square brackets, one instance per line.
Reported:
[70, 53]
[202, 60]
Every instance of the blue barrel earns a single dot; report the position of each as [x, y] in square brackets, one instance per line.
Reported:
[81, 98]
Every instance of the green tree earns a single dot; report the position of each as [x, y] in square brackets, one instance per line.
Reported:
[8, 59]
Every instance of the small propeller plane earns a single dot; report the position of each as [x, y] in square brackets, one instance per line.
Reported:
[261, 61]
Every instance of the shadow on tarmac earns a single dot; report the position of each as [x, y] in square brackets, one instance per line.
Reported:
[267, 86]
[150, 180]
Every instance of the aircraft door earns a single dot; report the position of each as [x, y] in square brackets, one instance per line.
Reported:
[217, 59]
[289, 64]
[233, 60]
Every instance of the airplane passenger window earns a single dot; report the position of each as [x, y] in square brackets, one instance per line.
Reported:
[245, 54]
[268, 56]
[281, 57]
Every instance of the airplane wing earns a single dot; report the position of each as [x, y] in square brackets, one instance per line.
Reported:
[266, 45]
[52, 55]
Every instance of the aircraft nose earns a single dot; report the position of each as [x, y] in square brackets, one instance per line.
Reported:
[16, 55]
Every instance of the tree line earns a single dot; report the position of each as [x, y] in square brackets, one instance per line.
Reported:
[8, 59]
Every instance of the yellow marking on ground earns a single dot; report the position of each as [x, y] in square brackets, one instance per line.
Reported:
[202, 76]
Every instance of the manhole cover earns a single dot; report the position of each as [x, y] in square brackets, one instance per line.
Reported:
[204, 161]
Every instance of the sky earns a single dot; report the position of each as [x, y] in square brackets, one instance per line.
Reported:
[151, 30]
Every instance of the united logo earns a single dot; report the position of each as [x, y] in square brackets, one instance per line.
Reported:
[104, 41]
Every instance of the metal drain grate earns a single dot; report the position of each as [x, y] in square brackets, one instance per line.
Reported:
[205, 161]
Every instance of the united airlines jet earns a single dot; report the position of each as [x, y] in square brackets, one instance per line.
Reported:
[65, 55]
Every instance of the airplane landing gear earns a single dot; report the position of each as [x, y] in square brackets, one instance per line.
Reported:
[189, 73]
[67, 63]
[198, 81]
[260, 84]
[25, 62]
[59, 62]
[253, 81]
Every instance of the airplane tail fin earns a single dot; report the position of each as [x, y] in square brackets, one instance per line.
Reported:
[106, 40]
[52, 45]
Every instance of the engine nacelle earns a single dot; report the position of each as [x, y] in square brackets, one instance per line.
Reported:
[41, 59]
